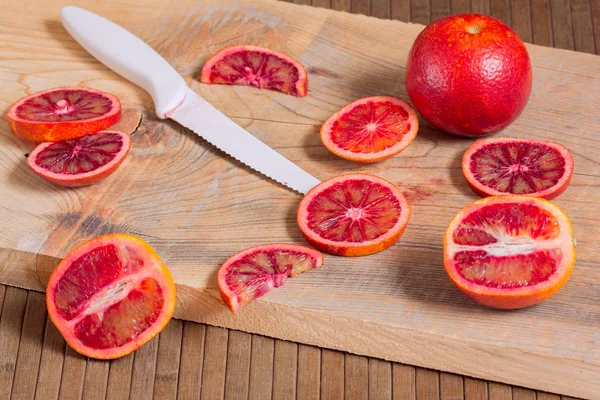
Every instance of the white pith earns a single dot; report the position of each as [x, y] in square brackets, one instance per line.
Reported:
[513, 245]
[507, 245]
[354, 213]
[112, 295]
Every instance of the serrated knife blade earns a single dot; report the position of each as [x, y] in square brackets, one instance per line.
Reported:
[206, 121]
[132, 58]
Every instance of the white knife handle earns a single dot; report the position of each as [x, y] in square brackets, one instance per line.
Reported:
[127, 55]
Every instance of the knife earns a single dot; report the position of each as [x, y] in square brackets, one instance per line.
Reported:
[137, 62]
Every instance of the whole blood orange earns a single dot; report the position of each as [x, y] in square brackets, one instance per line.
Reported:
[253, 272]
[517, 166]
[469, 74]
[256, 66]
[509, 251]
[63, 113]
[110, 296]
[353, 215]
[370, 129]
[81, 161]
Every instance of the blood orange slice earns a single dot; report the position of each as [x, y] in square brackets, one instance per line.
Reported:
[110, 296]
[256, 66]
[370, 129]
[81, 161]
[509, 251]
[353, 215]
[63, 113]
[253, 272]
[517, 166]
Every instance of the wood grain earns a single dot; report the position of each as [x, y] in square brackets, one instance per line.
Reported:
[523, 394]
[360, 6]
[167, 361]
[563, 38]
[192, 356]
[30, 346]
[549, 396]
[11, 321]
[439, 9]
[380, 380]
[520, 16]
[481, 6]
[221, 209]
[2, 294]
[400, 10]
[332, 375]
[595, 10]
[427, 384]
[541, 22]
[309, 373]
[420, 12]
[461, 6]
[321, 3]
[73, 375]
[237, 377]
[96, 379]
[452, 387]
[356, 377]
[499, 391]
[380, 9]
[261, 371]
[583, 30]
[404, 382]
[285, 370]
[475, 389]
[501, 9]
[119, 378]
[144, 370]
[213, 377]
[51, 364]
[340, 5]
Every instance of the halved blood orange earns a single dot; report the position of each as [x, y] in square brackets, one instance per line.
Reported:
[63, 113]
[82, 161]
[253, 272]
[353, 215]
[256, 66]
[370, 129]
[517, 166]
[509, 251]
[110, 296]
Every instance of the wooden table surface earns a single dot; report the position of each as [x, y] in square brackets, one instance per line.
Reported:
[190, 360]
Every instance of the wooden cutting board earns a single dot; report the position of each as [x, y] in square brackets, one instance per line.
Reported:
[197, 207]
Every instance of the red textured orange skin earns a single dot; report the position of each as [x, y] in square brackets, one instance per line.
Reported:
[469, 84]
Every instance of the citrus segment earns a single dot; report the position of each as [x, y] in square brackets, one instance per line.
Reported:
[353, 215]
[509, 251]
[81, 161]
[63, 113]
[518, 166]
[256, 66]
[110, 295]
[370, 129]
[252, 273]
